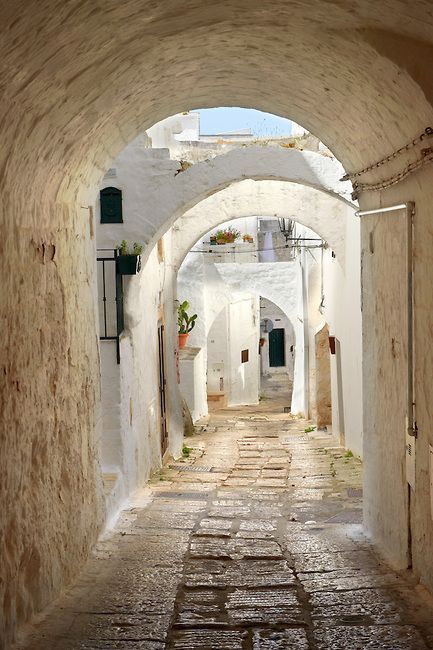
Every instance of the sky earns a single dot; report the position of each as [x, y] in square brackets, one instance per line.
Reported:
[223, 120]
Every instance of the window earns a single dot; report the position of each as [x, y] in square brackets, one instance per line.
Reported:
[111, 205]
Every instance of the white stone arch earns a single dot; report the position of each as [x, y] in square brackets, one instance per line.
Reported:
[324, 214]
[170, 195]
[264, 280]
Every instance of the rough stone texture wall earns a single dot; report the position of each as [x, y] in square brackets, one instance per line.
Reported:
[79, 81]
[49, 392]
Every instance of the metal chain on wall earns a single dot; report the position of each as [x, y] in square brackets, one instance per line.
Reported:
[425, 158]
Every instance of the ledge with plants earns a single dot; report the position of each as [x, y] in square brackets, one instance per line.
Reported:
[226, 236]
[129, 258]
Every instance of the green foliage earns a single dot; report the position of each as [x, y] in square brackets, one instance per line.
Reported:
[186, 451]
[309, 429]
[349, 454]
[185, 323]
[229, 234]
[125, 249]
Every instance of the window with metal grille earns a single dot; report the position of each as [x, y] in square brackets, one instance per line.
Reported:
[111, 205]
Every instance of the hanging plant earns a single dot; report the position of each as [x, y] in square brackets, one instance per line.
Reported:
[129, 258]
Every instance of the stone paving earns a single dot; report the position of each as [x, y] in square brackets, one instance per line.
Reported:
[252, 542]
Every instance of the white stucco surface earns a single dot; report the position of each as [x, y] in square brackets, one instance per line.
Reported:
[279, 283]
[192, 365]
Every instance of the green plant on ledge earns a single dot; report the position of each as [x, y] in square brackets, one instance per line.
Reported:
[228, 235]
[125, 249]
[185, 323]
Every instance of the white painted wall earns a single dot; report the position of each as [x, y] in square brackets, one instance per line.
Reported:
[227, 323]
[192, 364]
[218, 355]
[130, 443]
[343, 314]
[243, 334]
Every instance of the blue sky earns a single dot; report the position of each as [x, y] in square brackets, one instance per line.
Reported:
[218, 120]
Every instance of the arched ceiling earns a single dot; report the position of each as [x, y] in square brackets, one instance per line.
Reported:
[81, 78]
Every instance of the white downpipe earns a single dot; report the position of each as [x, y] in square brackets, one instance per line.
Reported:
[391, 208]
[304, 289]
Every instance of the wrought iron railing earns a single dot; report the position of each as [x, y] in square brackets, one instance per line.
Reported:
[110, 297]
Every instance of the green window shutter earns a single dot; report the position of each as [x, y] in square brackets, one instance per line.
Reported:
[111, 205]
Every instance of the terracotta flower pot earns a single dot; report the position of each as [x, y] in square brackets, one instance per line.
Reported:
[183, 338]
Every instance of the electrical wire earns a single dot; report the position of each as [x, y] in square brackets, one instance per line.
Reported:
[259, 250]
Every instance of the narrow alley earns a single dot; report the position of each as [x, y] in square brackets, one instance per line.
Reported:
[252, 540]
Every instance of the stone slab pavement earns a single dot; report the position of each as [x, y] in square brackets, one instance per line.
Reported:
[253, 541]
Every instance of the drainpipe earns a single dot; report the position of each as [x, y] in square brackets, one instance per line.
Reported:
[304, 289]
[409, 207]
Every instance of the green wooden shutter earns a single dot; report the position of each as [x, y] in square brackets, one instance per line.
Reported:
[111, 205]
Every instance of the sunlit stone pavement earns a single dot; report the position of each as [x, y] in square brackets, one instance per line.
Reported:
[253, 541]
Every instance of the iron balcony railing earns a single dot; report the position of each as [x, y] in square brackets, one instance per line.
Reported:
[110, 297]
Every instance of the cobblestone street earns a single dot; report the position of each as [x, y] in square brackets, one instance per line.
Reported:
[253, 541]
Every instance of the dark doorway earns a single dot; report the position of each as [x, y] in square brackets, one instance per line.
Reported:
[162, 390]
[277, 353]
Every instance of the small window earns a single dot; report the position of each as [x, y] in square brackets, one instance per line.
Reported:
[244, 356]
[111, 205]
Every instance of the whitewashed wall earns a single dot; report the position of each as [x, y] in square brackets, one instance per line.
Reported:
[343, 315]
[130, 440]
[227, 323]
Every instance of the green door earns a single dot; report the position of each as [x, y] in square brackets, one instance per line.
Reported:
[277, 355]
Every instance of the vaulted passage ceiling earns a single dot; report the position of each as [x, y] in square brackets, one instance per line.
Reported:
[84, 77]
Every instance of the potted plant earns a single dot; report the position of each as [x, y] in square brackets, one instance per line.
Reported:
[227, 235]
[213, 240]
[220, 237]
[185, 323]
[129, 259]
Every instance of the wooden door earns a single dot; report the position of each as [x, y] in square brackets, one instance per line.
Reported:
[277, 356]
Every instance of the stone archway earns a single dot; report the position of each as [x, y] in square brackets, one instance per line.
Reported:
[326, 215]
[274, 180]
[79, 82]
